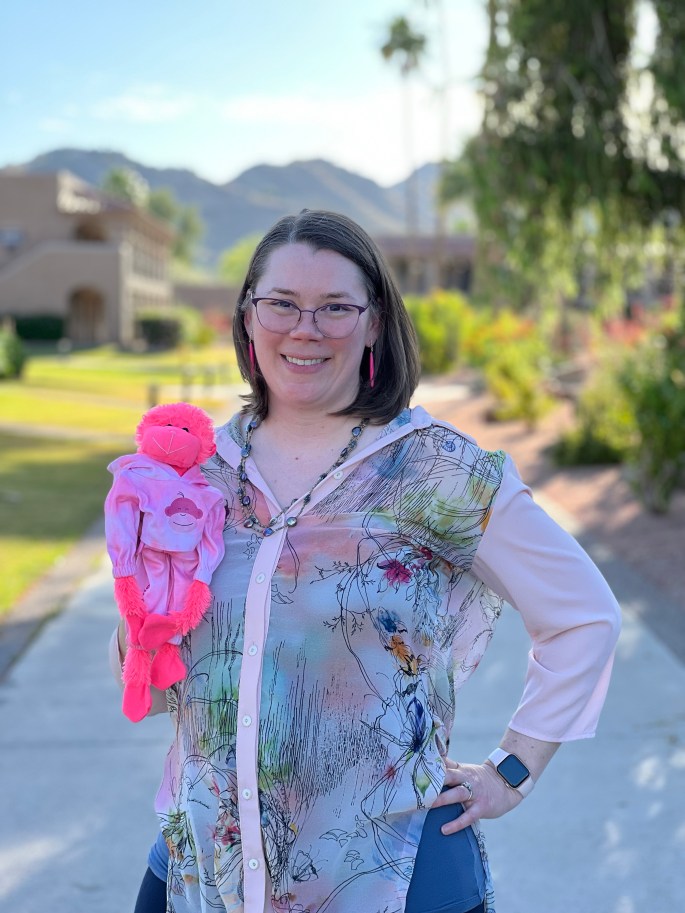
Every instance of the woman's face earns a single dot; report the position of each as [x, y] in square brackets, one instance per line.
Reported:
[303, 368]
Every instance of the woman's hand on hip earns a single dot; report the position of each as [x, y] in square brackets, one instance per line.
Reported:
[481, 791]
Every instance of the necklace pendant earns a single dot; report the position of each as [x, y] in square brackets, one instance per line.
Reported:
[249, 523]
[291, 521]
[267, 531]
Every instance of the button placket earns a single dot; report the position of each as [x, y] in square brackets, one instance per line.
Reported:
[256, 624]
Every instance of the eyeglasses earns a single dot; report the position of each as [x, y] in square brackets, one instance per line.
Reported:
[332, 320]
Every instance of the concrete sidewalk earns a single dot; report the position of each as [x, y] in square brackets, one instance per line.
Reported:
[603, 832]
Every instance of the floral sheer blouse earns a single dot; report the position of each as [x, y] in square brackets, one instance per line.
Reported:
[312, 729]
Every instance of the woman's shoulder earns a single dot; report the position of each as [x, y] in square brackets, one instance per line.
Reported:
[451, 439]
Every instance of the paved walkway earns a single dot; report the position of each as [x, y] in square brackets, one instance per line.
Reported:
[604, 831]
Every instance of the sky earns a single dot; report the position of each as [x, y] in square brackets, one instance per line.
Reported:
[220, 86]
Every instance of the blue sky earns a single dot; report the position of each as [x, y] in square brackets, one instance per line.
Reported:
[220, 86]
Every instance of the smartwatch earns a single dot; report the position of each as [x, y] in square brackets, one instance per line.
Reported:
[512, 770]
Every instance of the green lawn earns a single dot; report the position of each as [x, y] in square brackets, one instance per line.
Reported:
[50, 493]
[106, 372]
[52, 488]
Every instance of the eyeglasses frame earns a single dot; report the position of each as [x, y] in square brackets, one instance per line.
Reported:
[357, 307]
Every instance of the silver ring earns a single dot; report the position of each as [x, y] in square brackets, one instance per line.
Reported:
[469, 789]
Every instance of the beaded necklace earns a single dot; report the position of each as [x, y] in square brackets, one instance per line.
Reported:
[251, 521]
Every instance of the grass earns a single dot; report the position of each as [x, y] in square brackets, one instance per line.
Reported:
[106, 372]
[105, 391]
[69, 411]
[53, 488]
[50, 493]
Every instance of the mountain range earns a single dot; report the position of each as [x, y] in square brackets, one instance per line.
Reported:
[254, 200]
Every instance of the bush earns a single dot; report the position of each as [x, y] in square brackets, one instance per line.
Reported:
[488, 334]
[166, 328]
[159, 331]
[515, 376]
[12, 355]
[439, 320]
[654, 383]
[195, 331]
[40, 327]
[605, 430]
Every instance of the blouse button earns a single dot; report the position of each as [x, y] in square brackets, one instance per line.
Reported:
[338, 474]
[254, 863]
[247, 720]
[252, 650]
[260, 578]
[247, 794]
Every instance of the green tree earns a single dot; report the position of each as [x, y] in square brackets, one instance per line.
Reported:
[234, 261]
[569, 186]
[185, 220]
[189, 231]
[163, 204]
[126, 184]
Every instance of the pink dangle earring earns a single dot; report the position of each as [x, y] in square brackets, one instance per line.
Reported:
[250, 350]
[371, 368]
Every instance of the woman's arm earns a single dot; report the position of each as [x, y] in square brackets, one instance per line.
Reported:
[567, 607]
[573, 621]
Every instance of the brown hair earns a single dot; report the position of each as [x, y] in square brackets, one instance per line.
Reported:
[396, 354]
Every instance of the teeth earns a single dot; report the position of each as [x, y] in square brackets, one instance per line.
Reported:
[304, 361]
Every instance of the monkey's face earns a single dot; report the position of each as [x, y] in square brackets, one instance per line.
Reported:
[172, 445]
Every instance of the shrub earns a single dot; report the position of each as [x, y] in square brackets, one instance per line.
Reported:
[43, 327]
[166, 328]
[487, 334]
[439, 320]
[195, 330]
[605, 429]
[515, 376]
[12, 355]
[654, 382]
[159, 330]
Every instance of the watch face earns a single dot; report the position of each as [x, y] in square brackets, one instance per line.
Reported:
[513, 770]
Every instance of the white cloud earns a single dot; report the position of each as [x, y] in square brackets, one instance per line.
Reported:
[145, 104]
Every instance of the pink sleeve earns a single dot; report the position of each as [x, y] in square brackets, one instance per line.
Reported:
[211, 548]
[122, 517]
[566, 605]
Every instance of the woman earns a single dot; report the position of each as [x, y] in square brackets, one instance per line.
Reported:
[368, 551]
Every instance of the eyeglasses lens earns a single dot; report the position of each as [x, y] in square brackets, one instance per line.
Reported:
[333, 320]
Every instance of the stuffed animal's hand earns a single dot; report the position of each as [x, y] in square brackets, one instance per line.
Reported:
[158, 629]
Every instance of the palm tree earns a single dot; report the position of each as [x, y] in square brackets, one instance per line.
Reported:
[408, 47]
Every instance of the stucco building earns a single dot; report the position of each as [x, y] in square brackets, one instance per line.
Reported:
[69, 250]
[424, 262]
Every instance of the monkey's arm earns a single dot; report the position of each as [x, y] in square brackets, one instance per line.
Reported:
[122, 521]
[211, 547]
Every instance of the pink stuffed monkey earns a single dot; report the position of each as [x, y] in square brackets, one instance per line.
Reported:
[164, 529]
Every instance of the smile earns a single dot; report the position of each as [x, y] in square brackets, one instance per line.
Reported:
[304, 361]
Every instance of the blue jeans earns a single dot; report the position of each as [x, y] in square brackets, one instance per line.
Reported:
[459, 887]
